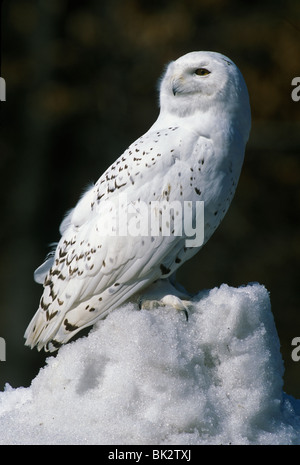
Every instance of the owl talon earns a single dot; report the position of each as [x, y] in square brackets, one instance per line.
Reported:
[186, 314]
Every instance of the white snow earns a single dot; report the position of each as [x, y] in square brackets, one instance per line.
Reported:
[152, 377]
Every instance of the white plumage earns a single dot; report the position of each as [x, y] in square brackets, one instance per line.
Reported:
[194, 151]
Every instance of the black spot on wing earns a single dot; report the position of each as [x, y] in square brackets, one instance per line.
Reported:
[53, 343]
[164, 269]
[69, 326]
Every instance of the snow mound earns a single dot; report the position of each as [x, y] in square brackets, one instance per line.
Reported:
[152, 377]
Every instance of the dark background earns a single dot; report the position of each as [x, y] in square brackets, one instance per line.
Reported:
[82, 85]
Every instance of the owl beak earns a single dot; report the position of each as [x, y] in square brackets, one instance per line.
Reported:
[176, 85]
[174, 90]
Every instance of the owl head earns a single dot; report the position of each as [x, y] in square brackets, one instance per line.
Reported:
[205, 82]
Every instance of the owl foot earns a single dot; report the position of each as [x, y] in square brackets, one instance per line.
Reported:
[163, 293]
[167, 301]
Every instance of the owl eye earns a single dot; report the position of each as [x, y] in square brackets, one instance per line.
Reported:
[202, 72]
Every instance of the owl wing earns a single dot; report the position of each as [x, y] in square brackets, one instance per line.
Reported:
[95, 268]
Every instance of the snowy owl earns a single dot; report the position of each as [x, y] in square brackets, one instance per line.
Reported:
[108, 252]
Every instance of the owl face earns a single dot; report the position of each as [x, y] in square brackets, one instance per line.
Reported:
[196, 76]
[202, 81]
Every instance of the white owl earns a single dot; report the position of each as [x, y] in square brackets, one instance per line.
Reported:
[193, 152]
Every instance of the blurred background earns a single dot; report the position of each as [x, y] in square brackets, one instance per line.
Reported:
[81, 83]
